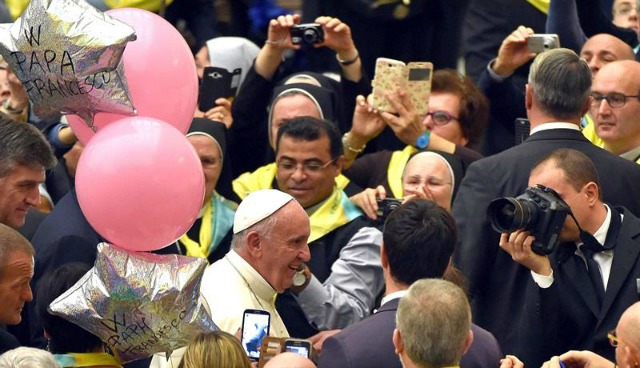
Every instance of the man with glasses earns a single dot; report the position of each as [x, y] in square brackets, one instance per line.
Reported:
[507, 100]
[617, 121]
[340, 283]
[625, 339]
[557, 96]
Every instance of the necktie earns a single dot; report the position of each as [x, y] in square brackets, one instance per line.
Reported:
[593, 269]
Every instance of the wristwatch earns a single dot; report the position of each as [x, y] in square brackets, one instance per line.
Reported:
[423, 140]
[299, 278]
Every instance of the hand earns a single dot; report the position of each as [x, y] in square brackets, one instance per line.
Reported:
[580, 359]
[514, 52]
[422, 192]
[221, 112]
[518, 245]
[279, 36]
[337, 37]
[511, 361]
[407, 125]
[318, 339]
[367, 200]
[367, 123]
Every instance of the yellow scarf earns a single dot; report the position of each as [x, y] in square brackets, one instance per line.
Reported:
[589, 131]
[396, 167]
[263, 177]
[334, 212]
[87, 360]
[216, 222]
[542, 5]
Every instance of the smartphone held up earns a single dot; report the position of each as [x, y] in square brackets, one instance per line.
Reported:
[414, 78]
[255, 326]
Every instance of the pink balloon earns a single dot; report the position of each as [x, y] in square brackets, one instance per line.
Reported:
[140, 183]
[160, 71]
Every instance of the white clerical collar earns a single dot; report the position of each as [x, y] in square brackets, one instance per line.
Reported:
[554, 125]
[255, 281]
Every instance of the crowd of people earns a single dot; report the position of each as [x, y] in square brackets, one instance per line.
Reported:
[368, 232]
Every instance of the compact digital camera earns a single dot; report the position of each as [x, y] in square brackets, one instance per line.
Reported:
[385, 207]
[539, 210]
[310, 33]
[543, 42]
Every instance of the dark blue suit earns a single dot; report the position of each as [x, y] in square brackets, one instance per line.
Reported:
[369, 344]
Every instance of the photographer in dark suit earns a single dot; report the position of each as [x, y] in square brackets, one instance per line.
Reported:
[557, 97]
[576, 295]
[418, 240]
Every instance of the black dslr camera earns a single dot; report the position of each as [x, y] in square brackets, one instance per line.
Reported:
[539, 210]
[385, 207]
[310, 33]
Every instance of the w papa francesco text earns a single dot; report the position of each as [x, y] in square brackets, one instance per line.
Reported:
[137, 336]
[54, 67]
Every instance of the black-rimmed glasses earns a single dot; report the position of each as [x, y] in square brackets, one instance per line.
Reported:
[614, 99]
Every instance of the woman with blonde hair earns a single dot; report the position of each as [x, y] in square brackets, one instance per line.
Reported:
[216, 349]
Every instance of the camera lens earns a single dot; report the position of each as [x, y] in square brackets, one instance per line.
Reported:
[310, 35]
[510, 214]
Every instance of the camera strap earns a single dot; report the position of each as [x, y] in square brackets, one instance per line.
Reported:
[592, 243]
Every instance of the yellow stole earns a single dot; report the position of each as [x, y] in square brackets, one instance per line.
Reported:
[589, 131]
[87, 360]
[334, 212]
[542, 5]
[396, 167]
[216, 222]
[263, 177]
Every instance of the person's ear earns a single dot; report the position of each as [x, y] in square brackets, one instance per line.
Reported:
[586, 107]
[590, 190]
[339, 163]
[254, 245]
[468, 342]
[384, 261]
[528, 97]
[398, 344]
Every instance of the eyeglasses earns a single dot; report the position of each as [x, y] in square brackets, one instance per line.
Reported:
[432, 182]
[614, 99]
[441, 117]
[613, 339]
[308, 167]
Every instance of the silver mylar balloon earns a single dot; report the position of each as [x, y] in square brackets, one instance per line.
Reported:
[138, 303]
[67, 55]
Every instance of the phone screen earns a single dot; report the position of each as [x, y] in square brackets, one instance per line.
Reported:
[300, 350]
[255, 326]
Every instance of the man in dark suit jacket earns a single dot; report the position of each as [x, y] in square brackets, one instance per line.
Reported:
[566, 307]
[556, 98]
[418, 241]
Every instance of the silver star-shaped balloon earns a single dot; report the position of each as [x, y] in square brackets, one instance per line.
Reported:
[68, 56]
[138, 303]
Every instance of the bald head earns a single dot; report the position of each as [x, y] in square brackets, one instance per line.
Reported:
[618, 127]
[629, 327]
[602, 49]
[289, 360]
